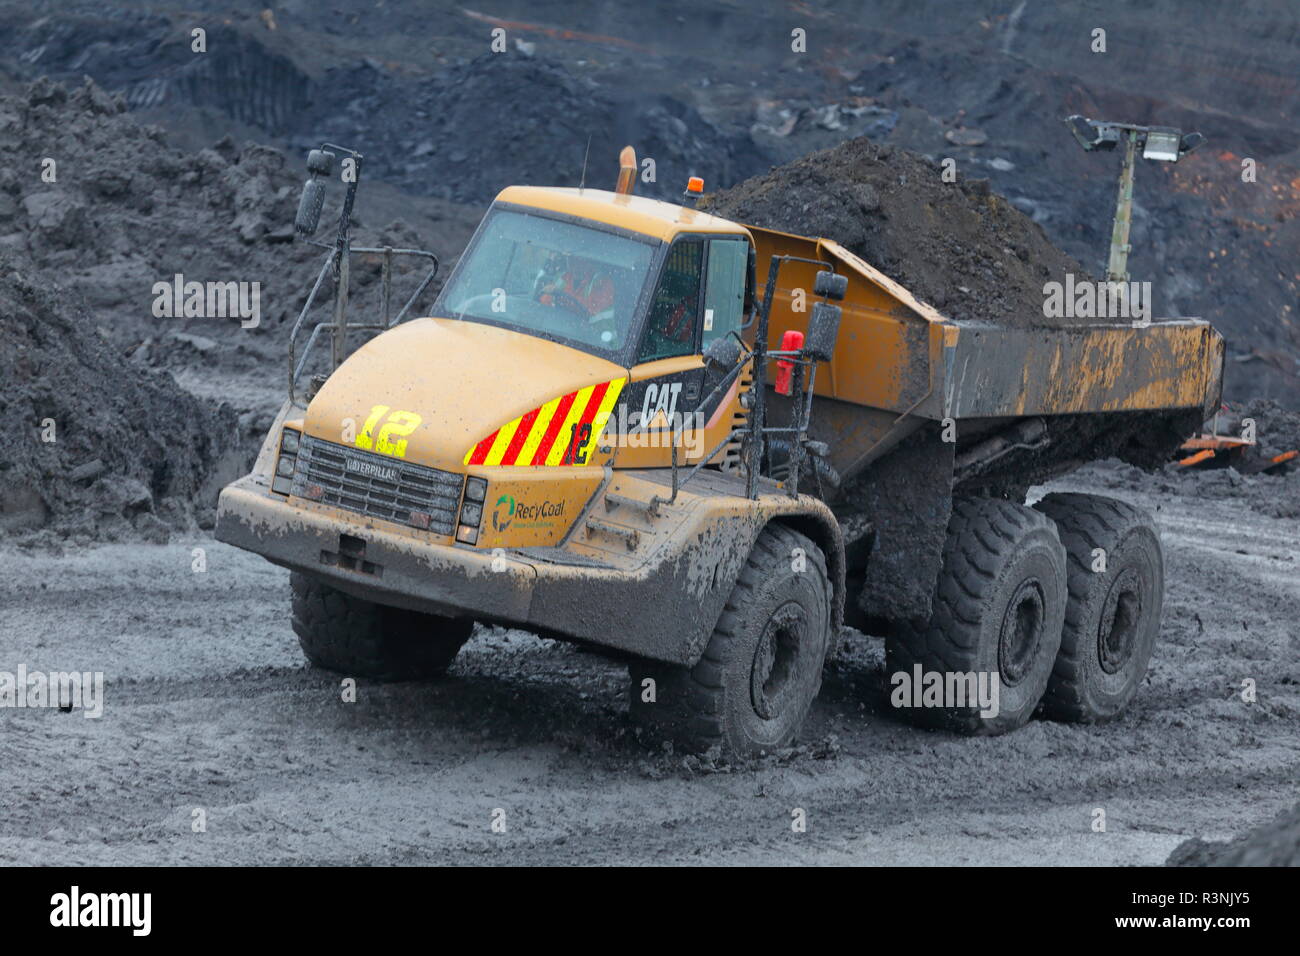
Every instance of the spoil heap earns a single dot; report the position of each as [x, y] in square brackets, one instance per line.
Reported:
[90, 445]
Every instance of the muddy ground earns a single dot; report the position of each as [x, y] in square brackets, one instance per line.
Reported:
[209, 705]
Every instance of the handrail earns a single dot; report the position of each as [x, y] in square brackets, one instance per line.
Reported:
[296, 368]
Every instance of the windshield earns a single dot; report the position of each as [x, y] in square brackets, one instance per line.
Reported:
[546, 276]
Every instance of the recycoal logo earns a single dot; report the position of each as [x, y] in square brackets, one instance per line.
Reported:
[953, 689]
[179, 299]
[504, 513]
[508, 510]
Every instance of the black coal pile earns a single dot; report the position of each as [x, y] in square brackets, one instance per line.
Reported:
[499, 119]
[111, 210]
[97, 210]
[955, 245]
[1276, 843]
[1277, 429]
[92, 447]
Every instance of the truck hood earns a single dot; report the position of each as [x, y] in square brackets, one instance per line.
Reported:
[463, 380]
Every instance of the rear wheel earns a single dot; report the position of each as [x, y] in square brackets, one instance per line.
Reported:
[1112, 619]
[762, 668]
[998, 609]
[359, 638]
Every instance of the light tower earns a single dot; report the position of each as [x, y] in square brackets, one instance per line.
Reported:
[1161, 143]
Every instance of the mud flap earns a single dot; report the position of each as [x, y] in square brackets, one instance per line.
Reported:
[908, 495]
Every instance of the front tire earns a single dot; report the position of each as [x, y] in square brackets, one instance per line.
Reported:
[752, 689]
[1112, 619]
[358, 638]
[999, 606]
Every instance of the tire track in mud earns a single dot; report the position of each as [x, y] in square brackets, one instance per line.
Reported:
[208, 704]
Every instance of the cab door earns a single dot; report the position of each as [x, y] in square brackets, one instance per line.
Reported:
[699, 297]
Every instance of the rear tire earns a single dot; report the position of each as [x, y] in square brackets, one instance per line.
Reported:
[999, 606]
[1112, 618]
[357, 638]
[751, 690]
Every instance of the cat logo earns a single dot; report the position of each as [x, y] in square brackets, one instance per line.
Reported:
[660, 400]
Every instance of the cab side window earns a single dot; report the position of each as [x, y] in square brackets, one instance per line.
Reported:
[724, 300]
[675, 310]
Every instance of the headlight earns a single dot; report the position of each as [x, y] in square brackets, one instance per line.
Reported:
[285, 466]
[289, 442]
[471, 514]
[476, 489]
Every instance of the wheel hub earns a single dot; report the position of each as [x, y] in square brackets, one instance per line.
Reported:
[1117, 629]
[1022, 632]
[775, 670]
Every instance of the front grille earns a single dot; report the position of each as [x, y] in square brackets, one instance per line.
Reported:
[377, 486]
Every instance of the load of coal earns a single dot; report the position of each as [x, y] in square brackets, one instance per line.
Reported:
[955, 245]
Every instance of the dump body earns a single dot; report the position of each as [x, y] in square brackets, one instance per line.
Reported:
[900, 363]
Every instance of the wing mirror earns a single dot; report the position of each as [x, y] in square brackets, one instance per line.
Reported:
[823, 330]
[722, 353]
[320, 162]
[831, 285]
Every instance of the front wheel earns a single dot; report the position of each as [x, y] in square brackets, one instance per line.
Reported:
[752, 689]
[359, 638]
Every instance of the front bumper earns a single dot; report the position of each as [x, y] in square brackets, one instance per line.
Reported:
[363, 558]
[661, 601]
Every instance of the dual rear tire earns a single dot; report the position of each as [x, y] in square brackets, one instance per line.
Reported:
[1059, 604]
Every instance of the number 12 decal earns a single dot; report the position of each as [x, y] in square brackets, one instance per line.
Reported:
[399, 425]
[579, 439]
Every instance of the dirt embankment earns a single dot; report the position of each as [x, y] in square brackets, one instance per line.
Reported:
[956, 245]
[90, 446]
[95, 211]
[110, 209]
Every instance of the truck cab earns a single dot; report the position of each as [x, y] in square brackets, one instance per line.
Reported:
[568, 340]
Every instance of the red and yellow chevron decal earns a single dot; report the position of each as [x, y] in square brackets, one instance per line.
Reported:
[550, 435]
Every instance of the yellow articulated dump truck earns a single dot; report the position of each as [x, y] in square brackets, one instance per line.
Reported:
[706, 446]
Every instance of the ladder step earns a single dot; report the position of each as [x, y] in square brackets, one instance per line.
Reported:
[626, 535]
[649, 508]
